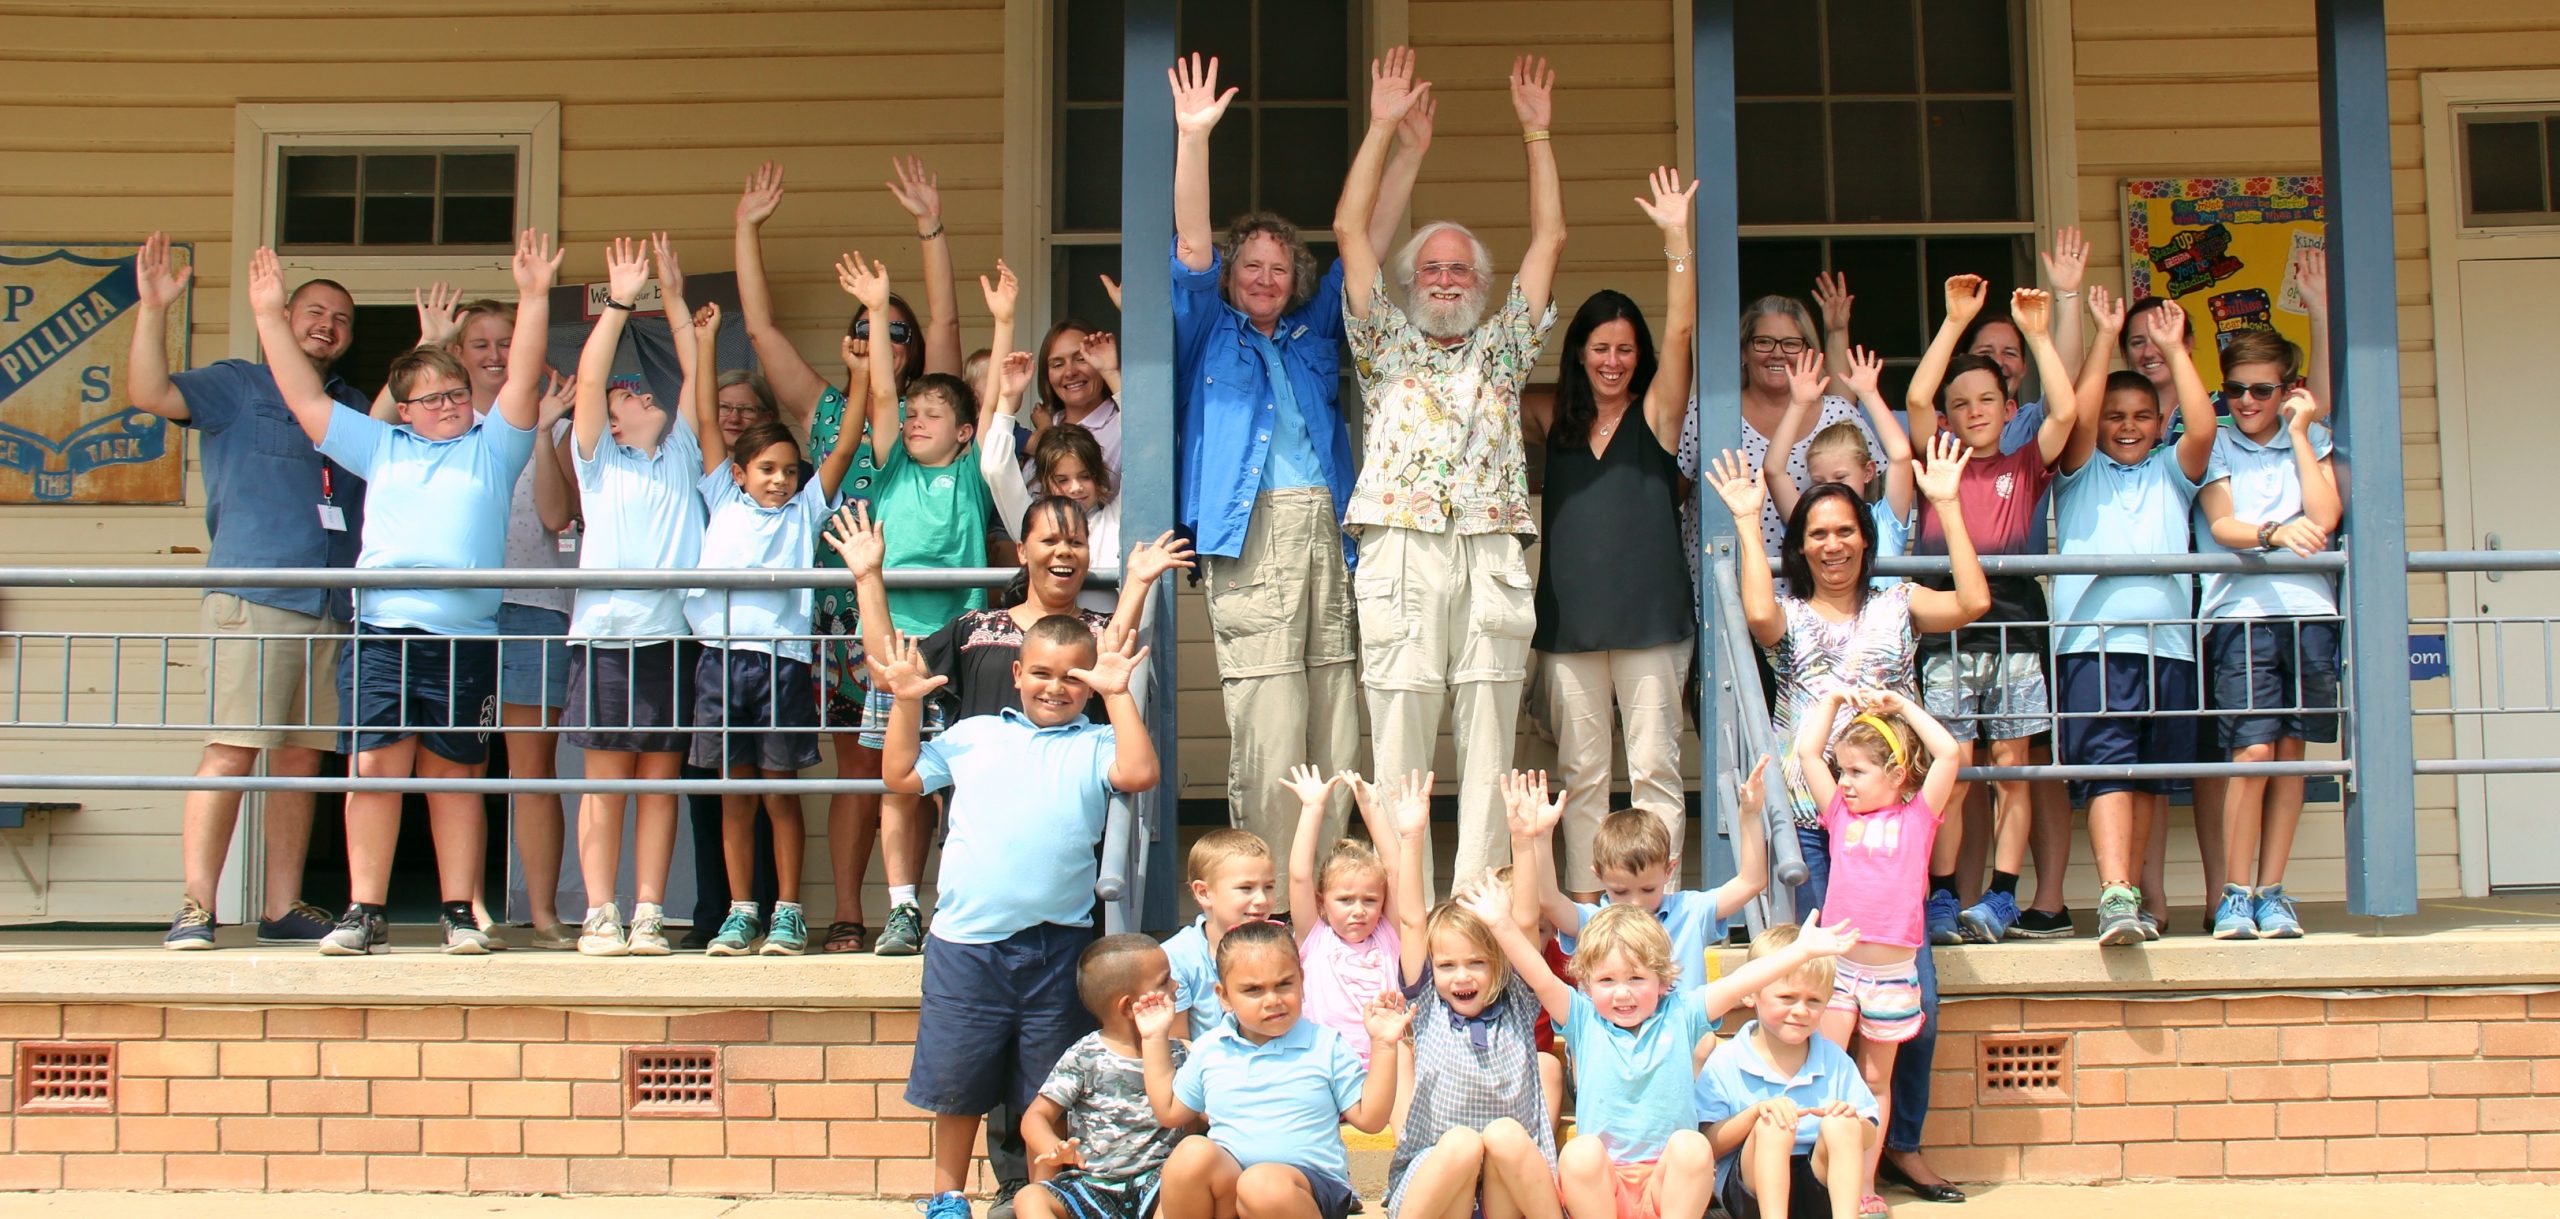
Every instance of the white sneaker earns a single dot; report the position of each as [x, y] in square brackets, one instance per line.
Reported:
[648, 931]
[602, 935]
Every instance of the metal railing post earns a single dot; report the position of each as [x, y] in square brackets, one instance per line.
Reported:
[1148, 44]
[1717, 420]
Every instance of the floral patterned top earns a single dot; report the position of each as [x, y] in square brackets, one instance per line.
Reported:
[1443, 421]
[1818, 656]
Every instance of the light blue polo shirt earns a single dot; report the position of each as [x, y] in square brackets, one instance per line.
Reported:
[1027, 805]
[1737, 1077]
[1280, 1102]
[1636, 1086]
[2264, 487]
[2107, 509]
[1893, 537]
[745, 534]
[642, 512]
[1195, 974]
[1689, 915]
[434, 505]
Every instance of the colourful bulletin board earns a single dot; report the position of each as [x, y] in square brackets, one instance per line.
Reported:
[67, 436]
[2222, 248]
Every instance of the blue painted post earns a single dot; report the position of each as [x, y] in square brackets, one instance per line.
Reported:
[2364, 367]
[1718, 421]
[1146, 383]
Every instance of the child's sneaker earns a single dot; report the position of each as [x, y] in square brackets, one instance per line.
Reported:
[463, 936]
[902, 935]
[2273, 909]
[2150, 925]
[1988, 921]
[2120, 916]
[1942, 918]
[602, 936]
[737, 936]
[2034, 924]
[356, 934]
[648, 931]
[303, 924]
[2236, 918]
[790, 934]
[192, 930]
[943, 1206]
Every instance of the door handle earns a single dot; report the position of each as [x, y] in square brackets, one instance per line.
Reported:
[2493, 542]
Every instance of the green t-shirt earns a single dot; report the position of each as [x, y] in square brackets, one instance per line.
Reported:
[931, 516]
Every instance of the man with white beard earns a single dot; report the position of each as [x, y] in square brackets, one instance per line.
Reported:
[1441, 508]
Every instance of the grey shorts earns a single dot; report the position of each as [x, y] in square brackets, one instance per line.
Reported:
[1987, 696]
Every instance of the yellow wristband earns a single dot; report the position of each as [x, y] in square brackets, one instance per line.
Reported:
[1532, 137]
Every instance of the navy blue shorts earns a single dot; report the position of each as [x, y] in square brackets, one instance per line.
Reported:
[770, 704]
[1334, 1196]
[628, 699]
[2280, 674]
[399, 683]
[996, 1018]
[1807, 1196]
[2127, 685]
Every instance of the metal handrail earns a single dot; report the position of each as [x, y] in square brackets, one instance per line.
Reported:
[1746, 726]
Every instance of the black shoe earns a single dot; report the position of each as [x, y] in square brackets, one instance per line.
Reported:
[697, 938]
[2035, 924]
[1888, 1173]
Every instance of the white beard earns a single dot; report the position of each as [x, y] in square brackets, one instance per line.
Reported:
[1447, 320]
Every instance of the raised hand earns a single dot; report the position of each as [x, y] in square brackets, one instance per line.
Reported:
[2299, 408]
[1067, 1153]
[1003, 293]
[626, 268]
[1525, 804]
[1393, 92]
[1387, 1018]
[1965, 294]
[2032, 310]
[1865, 377]
[557, 401]
[1831, 296]
[1409, 803]
[1110, 288]
[1116, 664]
[160, 286]
[1363, 793]
[1101, 350]
[917, 189]
[1737, 483]
[266, 284]
[537, 264]
[1197, 104]
[1308, 784]
[1415, 128]
[670, 273]
[857, 539]
[439, 314]
[865, 282]
[1755, 790]
[1818, 940]
[1671, 206]
[2311, 279]
[1804, 376]
[1018, 370]
[762, 194]
[2167, 326]
[1153, 1013]
[2068, 261]
[1533, 89]
[706, 321]
[1937, 477]
[2107, 308]
[1492, 905]
[1148, 561]
[903, 670]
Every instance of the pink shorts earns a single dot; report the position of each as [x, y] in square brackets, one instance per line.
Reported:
[1639, 1189]
[1885, 997]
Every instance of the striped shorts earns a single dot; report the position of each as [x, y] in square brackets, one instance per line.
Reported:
[1885, 997]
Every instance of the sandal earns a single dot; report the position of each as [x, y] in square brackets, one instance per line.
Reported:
[845, 937]
[1873, 1207]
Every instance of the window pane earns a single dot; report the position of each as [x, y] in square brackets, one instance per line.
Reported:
[1305, 153]
[1306, 50]
[1080, 293]
[1223, 28]
[1778, 266]
[1973, 161]
[478, 220]
[319, 220]
[1967, 46]
[1778, 148]
[480, 173]
[399, 220]
[1871, 48]
[1875, 162]
[1884, 275]
[1777, 51]
[309, 174]
[2506, 166]
[1999, 260]
[400, 174]
[2551, 154]
[1231, 165]
[1089, 172]
[1091, 46]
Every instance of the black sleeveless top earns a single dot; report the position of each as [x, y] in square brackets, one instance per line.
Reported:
[1612, 575]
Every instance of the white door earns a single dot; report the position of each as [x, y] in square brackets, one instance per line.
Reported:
[2507, 308]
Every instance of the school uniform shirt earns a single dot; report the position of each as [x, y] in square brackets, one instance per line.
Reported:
[267, 490]
[742, 533]
[1636, 1084]
[1737, 1077]
[436, 505]
[2002, 498]
[642, 512]
[1689, 915]
[2111, 508]
[1027, 807]
[930, 516]
[1280, 1102]
[1195, 975]
[2264, 487]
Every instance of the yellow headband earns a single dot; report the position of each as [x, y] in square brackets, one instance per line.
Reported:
[1892, 739]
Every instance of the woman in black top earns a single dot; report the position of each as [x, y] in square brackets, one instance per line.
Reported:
[1615, 616]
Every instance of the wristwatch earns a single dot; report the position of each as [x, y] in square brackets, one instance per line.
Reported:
[2267, 536]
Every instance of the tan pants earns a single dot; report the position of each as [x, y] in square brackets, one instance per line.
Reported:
[1645, 685]
[1446, 619]
[1280, 614]
[274, 675]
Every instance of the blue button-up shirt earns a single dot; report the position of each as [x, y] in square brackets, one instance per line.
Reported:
[1226, 408]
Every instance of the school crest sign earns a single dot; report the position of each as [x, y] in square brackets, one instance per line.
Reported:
[66, 434]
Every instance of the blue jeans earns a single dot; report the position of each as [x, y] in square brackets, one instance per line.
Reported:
[1912, 1065]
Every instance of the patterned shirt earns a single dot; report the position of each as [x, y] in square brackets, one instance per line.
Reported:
[1105, 1096]
[1456, 1084]
[1443, 420]
[1818, 656]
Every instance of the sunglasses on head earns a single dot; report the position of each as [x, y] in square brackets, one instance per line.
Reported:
[2251, 389]
[899, 332]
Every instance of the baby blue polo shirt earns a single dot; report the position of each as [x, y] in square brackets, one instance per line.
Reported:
[742, 533]
[1689, 915]
[1027, 805]
[1280, 1102]
[1636, 1086]
[1195, 974]
[642, 512]
[2264, 487]
[264, 483]
[434, 505]
[2108, 508]
[1893, 537]
[1737, 1077]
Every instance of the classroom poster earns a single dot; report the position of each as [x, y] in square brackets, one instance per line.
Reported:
[66, 434]
[2223, 249]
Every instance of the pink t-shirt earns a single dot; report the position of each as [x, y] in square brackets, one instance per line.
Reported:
[1342, 978]
[1880, 869]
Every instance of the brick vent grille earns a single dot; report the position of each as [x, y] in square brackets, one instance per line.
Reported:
[2022, 1068]
[671, 1081]
[66, 1077]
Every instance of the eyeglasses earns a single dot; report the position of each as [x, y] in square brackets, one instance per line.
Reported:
[450, 397]
[739, 412]
[899, 332]
[1445, 270]
[1763, 345]
[2248, 389]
